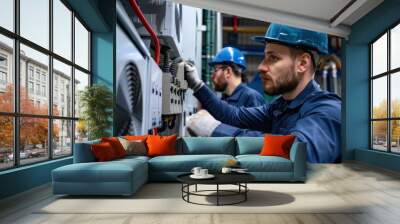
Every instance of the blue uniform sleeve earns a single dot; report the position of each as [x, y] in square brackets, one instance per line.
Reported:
[224, 130]
[321, 131]
[255, 118]
[254, 100]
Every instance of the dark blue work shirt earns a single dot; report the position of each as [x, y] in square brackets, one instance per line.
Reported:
[244, 96]
[313, 117]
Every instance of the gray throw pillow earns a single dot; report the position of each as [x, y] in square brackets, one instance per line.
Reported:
[136, 147]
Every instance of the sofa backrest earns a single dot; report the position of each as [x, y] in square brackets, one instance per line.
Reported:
[206, 145]
[83, 152]
[249, 145]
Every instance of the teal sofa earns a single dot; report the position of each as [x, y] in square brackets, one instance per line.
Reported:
[125, 176]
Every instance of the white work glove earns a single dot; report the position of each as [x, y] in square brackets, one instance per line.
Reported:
[202, 123]
[192, 77]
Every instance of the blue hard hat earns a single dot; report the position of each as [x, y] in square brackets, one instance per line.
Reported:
[296, 37]
[230, 55]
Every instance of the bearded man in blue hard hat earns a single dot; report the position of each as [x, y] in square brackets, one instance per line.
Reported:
[303, 109]
[229, 65]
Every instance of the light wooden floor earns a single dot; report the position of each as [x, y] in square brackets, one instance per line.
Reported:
[378, 188]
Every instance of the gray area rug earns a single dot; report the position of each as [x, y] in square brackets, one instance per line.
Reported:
[166, 198]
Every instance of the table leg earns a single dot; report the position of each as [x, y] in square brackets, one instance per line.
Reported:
[245, 191]
[196, 188]
[182, 190]
[217, 194]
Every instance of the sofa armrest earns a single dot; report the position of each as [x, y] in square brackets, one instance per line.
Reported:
[83, 152]
[298, 155]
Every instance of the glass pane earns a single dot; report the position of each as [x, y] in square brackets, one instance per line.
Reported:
[33, 139]
[6, 74]
[81, 45]
[7, 14]
[379, 98]
[395, 95]
[81, 131]
[81, 81]
[379, 135]
[6, 142]
[395, 47]
[35, 21]
[62, 141]
[62, 29]
[62, 89]
[34, 97]
[379, 55]
[395, 136]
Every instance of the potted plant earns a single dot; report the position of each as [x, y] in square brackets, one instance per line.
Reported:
[96, 104]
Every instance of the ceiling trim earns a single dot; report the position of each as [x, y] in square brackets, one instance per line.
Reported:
[346, 12]
[269, 15]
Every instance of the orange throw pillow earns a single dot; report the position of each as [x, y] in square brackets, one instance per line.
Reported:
[103, 152]
[116, 145]
[161, 145]
[136, 137]
[277, 145]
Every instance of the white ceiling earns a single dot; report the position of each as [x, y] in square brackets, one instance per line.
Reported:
[319, 15]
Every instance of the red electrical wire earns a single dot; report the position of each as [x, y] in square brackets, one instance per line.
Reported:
[235, 24]
[153, 35]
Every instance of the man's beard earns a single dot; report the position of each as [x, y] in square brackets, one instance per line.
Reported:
[220, 87]
[283, 84]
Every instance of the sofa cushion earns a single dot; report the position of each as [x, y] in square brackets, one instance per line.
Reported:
[277, 145]
[161, 145]
[131, 158]
[111, 171]
[249, 145]
[103, 152]
[207, 145]
[135, 147]
[257, 163]
[116, 145]
[135, 137]
[185, 163]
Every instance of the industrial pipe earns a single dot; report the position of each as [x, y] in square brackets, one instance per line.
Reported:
[245, 29]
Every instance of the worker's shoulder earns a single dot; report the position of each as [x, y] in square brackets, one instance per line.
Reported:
[247, 91]
[323, 101]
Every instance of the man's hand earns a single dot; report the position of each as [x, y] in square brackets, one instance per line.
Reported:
[192, 77]
[202, 123]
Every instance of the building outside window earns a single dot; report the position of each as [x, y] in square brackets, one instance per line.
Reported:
[30, 72]
[57, 128]
[55, 96]
[37, 75]
[43, 77]
[43, 90]
[385, 94]
[3, 61]
[30, 87]
[3, 72]
[3, 78]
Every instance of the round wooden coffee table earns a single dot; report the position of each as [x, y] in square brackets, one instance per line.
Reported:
[238, 179]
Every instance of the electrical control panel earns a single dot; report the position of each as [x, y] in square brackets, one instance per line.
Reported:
[155, 94]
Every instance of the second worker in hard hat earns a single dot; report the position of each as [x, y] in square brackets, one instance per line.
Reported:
[229, 65]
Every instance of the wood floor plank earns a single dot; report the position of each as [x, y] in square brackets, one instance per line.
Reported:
[375, 190]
